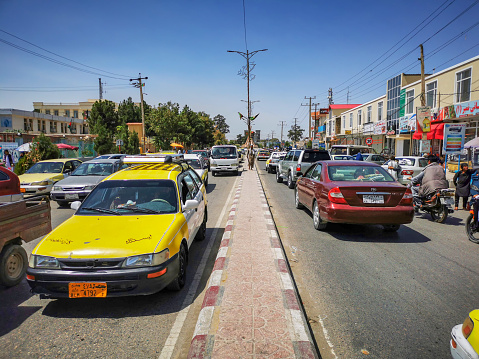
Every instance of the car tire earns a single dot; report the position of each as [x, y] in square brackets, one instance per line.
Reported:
[62, 203]
[13, 265]
[213, 173]
[235, 173]
[391, 227]
[279, 179]
[318, 223]
[297, 203]
[180, 279]
[201, 235]
[290, 181]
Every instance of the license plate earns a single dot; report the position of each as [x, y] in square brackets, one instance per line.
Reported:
[367, 198]
[71, 196]
[447, 200]
[87, 290]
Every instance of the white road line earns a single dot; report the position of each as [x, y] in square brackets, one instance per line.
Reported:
[170, 343]
[326, 336]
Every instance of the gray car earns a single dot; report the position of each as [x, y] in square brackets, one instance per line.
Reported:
[80, 183]
[410, 166]
[372, 157]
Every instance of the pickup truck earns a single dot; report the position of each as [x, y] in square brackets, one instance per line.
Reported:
[23, 220]
[297, 162]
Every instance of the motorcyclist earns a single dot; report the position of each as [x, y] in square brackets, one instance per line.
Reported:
[430, 179]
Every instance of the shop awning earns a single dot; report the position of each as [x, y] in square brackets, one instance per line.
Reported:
[437, 131]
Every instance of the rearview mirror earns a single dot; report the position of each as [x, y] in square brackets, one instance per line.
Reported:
[75, 205]
[191, 204]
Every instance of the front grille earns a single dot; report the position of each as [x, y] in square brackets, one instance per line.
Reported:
[90, 264]
[78, 188]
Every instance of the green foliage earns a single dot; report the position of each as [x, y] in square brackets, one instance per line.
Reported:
[103, 121]
[129, 112]
[220, 124]
[296, 133]
[42, 149]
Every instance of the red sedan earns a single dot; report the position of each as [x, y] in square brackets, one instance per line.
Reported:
[353, 192]
[9, 186]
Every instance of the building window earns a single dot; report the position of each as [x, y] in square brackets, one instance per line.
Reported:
[410, 101]
[351, 120]
[53, 127]
[47, 112]
[55, 112]
[67, 113]
[392, 112]
[25, 125]
[75, 114]
[380, 111]
[344, 121]
[359, 117]
[39, 125]
[370, 112]
[431, 90]
[463, 86]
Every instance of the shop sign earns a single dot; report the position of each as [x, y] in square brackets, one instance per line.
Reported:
[424, 146]
[423, 115]
[412, 122]
[6, 122]
[391, 132]
[402, 103]
[470, 108]
[368, 127]
[380, 128]
[454, 136]
[323, 111]
[404, 124]
[347, 132]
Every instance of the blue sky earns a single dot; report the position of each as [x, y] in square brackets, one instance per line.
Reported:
[181, 45]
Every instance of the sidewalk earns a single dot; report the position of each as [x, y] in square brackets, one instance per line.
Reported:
[250, 308]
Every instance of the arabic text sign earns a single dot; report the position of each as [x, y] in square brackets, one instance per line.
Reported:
[423, 115]
[467, 109]
[454, 135]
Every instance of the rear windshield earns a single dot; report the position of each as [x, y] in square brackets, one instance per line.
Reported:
[311, 157]
[352, 150]
[359, 173]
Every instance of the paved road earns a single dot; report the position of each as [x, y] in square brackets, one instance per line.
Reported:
[395, 295]
[117, 327]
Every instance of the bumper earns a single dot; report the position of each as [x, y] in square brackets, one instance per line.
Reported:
[463, 349]
[224, 168]
[262, 158]
[37, 189]
[341, 213]
[69, 196]
[120, 282]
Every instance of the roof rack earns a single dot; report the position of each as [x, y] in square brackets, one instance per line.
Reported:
[155, 158]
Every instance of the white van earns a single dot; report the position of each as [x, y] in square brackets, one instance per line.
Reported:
[224, 158]
[350, 150]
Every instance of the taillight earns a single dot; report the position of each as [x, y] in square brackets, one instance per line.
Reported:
[467, 327]
[298, 168]
[336, 196]
[407, 198]
[407, 172]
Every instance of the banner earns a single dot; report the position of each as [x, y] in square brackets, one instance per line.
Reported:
[402, 103]
[412, 122]
[380, 128]
[470, 108]
[454, 136]
[404, 124]
[423, 115]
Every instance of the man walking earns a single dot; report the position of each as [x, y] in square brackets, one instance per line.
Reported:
[8, 160]
[461, 180]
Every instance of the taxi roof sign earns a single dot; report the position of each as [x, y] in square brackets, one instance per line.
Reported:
[155, 158]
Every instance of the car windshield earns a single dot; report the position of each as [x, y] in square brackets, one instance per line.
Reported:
[94, 169]
[194, 163]
[359, 173]
[223, 152]
[46, 167]
[203, 153]
[103, 157]
[311, 157]
[131, 197]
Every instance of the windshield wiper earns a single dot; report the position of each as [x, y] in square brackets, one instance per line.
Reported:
[103, 210]
[140, 209]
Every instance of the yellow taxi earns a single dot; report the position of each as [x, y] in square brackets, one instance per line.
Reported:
[464, 343]
[130, 236]
[39, 178]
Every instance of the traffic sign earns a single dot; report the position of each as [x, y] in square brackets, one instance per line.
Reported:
[119, 142]
[369, 141]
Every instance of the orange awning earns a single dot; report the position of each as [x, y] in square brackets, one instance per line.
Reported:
[176, 145]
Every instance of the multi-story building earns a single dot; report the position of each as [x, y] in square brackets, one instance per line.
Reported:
[73, 110]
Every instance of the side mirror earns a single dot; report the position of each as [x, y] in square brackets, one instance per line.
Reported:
[75, 205]
[191, 204]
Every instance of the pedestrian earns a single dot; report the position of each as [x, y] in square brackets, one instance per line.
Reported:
[251, 158]
[393, 167]
[8, 160]
[462, 180]
[359, 157]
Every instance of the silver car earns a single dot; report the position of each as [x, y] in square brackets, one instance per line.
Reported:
[81, 182]
[410, 166]
[372, 157]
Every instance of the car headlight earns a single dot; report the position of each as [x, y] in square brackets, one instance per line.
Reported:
[147, 260]
[89, 188]
[234, 165]
[213, 163]
[41, 183]
[57, 188]
[43, 262]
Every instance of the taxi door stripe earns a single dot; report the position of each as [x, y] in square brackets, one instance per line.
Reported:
[166, 231]
[178, 231]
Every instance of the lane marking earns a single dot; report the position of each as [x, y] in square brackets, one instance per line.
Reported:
[172, 339]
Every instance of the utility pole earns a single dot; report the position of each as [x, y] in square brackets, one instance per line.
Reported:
[282, 123]
[101, 89]
[347, 97]
[295, 132]
[310, 98]
[315, 118]
[140, 85]
[248, 55]
[423, 79]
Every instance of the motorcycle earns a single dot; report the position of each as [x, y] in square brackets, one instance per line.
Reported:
[472, 231]
[438, 204]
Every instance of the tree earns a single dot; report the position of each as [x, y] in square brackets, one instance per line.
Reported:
[221, 125]
[240, 139]
[164, 123]
[42, 149]
[296, 133]
[129, 112]
[103, 121]
[220, 138]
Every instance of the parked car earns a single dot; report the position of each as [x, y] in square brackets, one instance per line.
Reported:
[410, 166]
[371, 157]
[297, 162]
[272, 162]
[131, 236]
[354, 192]
[39, 179]
[342, 158]
[224, 158]
[111, 156]
[262, 155]
[82, 181]
[464, 343]
[205, 154]
[350, 150]
[199, 165]
[9, 186]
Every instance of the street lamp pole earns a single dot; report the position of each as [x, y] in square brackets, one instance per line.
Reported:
[248, 55]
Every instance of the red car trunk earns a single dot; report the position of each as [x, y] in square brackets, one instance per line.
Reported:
[372, 194]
